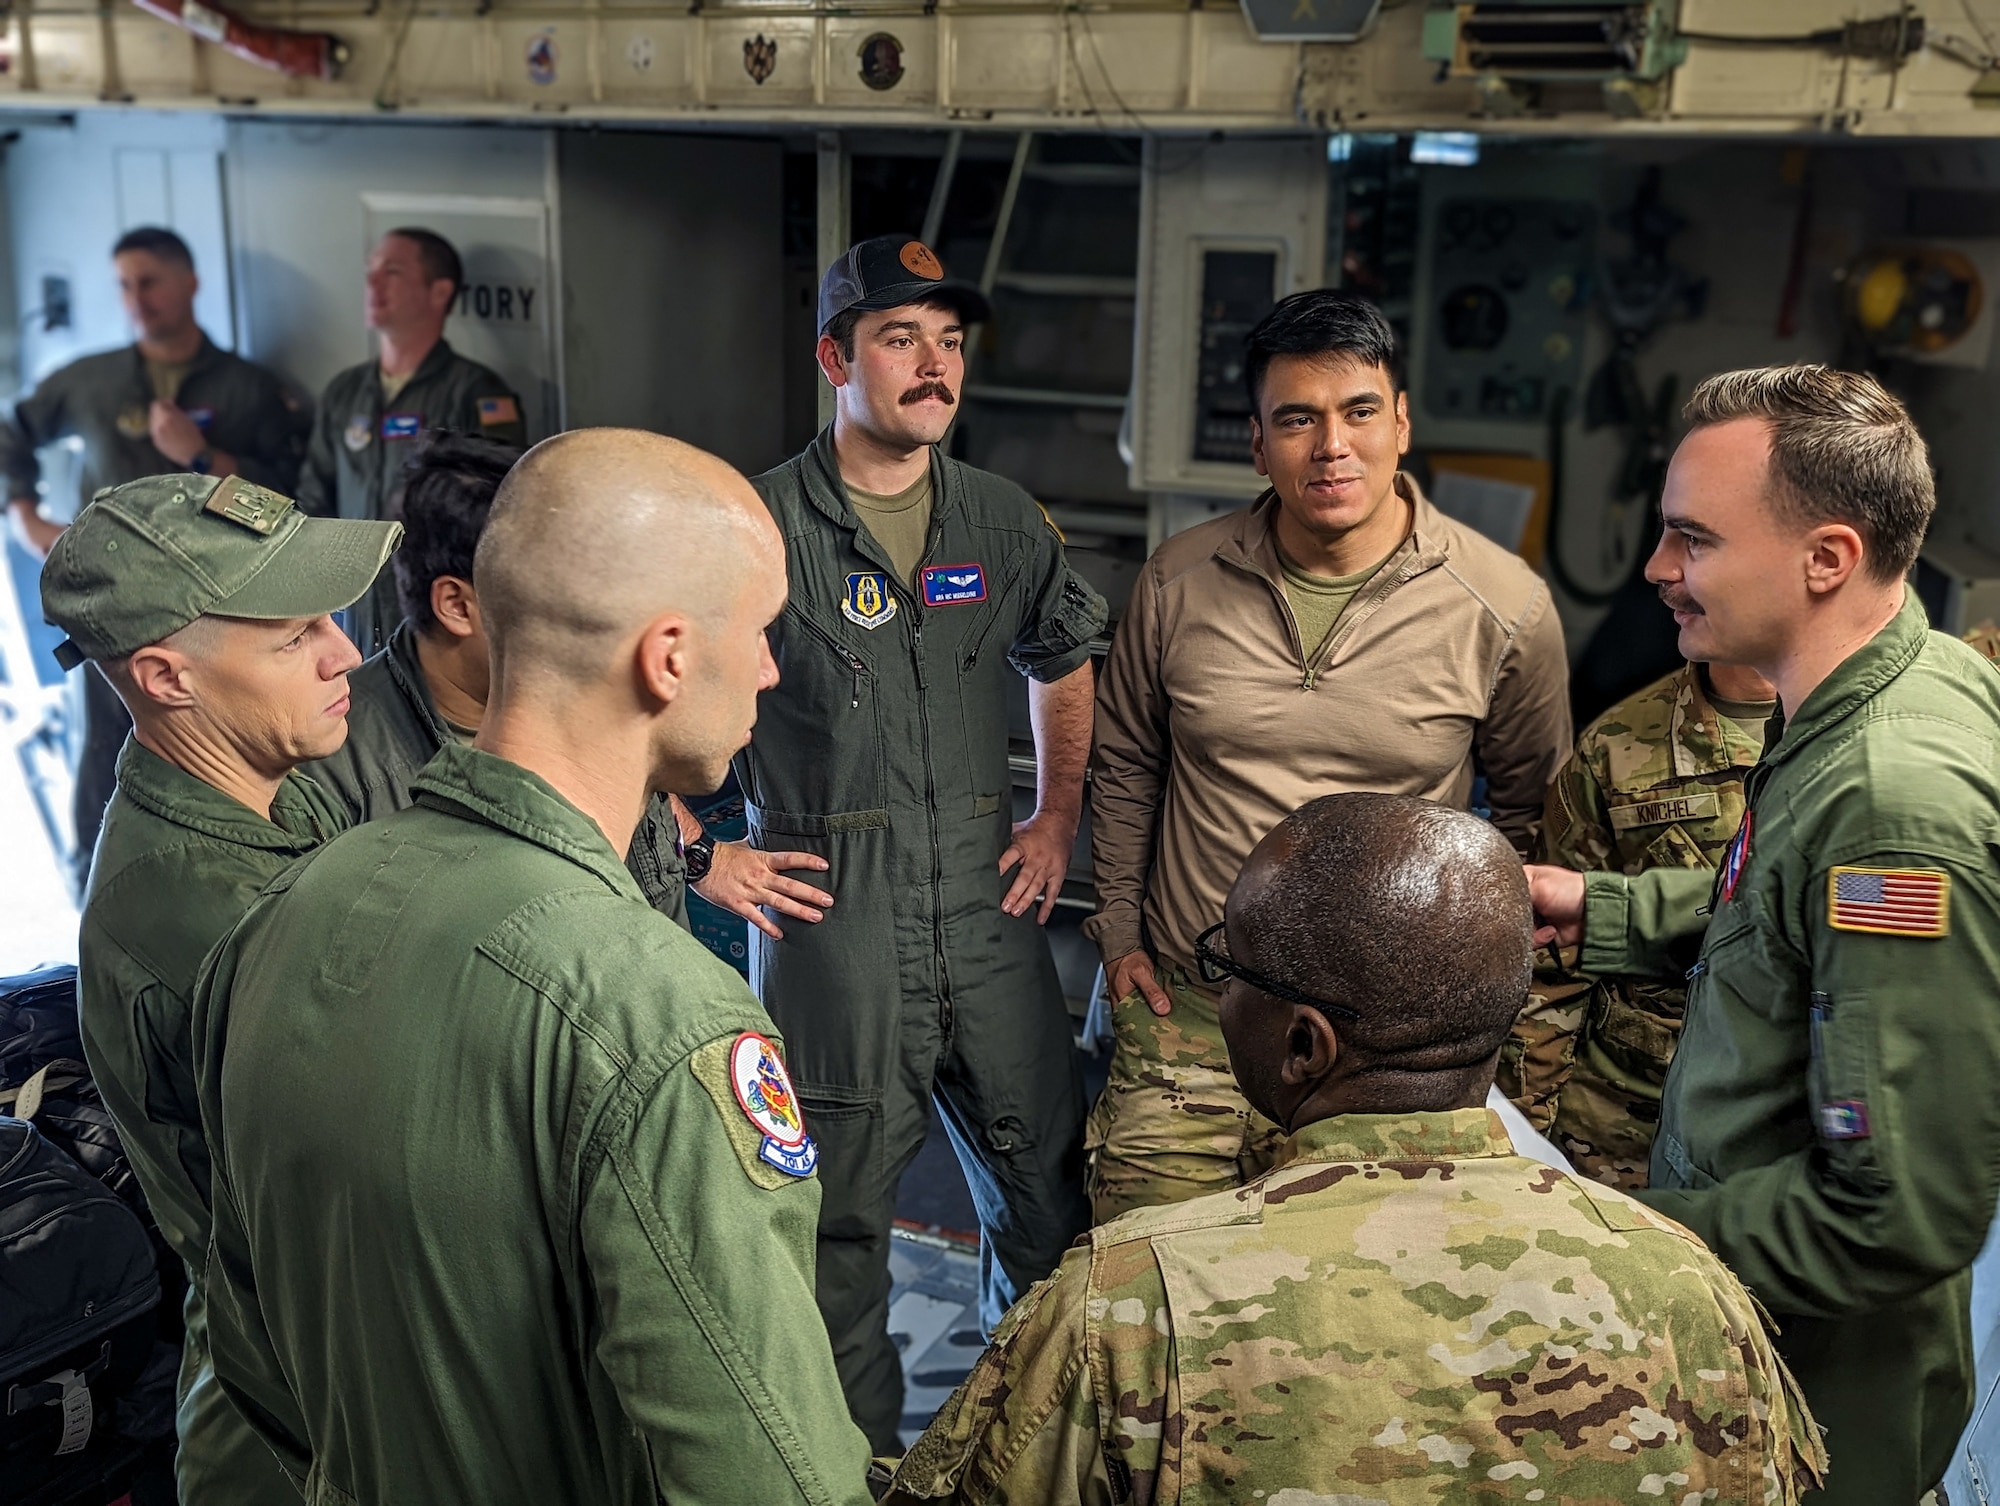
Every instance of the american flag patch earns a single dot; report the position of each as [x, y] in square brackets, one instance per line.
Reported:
[1889, 901]
[498, 410]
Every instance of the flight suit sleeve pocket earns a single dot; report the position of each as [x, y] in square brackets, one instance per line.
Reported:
[1844, 1084]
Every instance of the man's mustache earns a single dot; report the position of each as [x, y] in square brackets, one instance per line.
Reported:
[923, 390]
[1680, 601]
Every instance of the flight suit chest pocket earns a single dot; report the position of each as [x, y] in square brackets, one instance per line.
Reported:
[818, 747]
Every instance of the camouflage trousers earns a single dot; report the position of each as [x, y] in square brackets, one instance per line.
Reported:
[1586, 1062]
[1171, 1124]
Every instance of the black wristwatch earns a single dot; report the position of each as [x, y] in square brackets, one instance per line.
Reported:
[203, 459]
[699, 855]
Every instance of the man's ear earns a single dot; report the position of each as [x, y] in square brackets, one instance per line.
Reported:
[444, 293]
[455, 605]
[161, 676]
[1402, 423]
[1257, 444]
[662, 659]
[832, 364]
[1834, 553]
[1311, 1047]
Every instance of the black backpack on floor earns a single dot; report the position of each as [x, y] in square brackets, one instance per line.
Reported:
[80, 1283]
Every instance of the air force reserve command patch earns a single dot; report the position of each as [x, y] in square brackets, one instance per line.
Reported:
[867, 601]
[1889, 901]
[766, 1095]
[953, 585]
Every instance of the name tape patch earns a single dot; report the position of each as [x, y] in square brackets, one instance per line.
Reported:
[1889, 901]
[953, 585]
[765, 1093]
[401, 425]
[202, 417]
[1705, 806]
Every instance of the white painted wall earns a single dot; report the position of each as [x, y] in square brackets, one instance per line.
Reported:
[74, 186]
[300, 226]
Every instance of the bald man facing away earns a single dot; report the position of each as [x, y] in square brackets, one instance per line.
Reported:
[515, 1203]
[1405, 1309]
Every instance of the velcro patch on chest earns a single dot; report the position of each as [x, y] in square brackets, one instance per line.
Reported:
[401, 425]
[1703, 805]
[1889, 901]
[953, 585]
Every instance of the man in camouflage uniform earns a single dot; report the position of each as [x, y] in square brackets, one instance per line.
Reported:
[1986, 638]
[1403, 1310]
[1656, 782]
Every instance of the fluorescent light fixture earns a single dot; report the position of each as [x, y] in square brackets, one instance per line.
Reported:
[1445, 148]
[1340, 146]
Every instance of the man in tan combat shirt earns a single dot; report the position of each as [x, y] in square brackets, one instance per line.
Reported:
[1340, 634]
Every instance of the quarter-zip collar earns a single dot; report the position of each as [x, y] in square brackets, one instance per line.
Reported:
[301, 816]
[480, 786]
[1252, 546]
[820, 469]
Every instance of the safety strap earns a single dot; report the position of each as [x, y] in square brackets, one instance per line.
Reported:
[53, 1078]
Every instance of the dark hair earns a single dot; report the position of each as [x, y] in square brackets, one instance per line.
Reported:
[840, 328]
[1842, 451]
[442, 496]
[155, 241]
[1413, 913]
[1321, 322]
[440, 260]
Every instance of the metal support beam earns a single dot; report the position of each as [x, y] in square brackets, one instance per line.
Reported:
[833, 225]
[1022, 146]
[941, 189]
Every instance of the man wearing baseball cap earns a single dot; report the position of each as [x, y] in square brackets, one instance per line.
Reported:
[919, 588]
[206, 603]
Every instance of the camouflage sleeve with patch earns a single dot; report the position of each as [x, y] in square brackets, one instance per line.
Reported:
[1023, 1429]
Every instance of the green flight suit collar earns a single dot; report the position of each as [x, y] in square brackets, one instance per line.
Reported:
[406, 671]
[206, 354]
[487, 788]
[173, 794]
[827, 492]
[1855, 681]
[428, 369]
[1452, 1135]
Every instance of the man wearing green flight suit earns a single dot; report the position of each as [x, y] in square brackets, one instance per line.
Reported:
[1829, 1124]
[173, 401]
[429, 686]
[205, 603]
[514, 1202]
[920, 587]
[371, 414]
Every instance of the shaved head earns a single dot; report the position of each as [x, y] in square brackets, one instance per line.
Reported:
[1411, 913]
[597, 531]
[626, 580]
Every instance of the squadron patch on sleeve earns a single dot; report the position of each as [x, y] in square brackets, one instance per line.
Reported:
[1889, 901]
[746, 1079]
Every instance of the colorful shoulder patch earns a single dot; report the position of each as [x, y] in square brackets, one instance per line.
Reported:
[498, 410]
[745, 1078]
[1889, 901]
[953, 585]
[867, 601]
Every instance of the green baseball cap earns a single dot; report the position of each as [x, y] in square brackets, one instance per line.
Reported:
[145, 559]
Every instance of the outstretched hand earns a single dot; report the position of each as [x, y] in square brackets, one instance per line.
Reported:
[747, 881]
[1557, 895]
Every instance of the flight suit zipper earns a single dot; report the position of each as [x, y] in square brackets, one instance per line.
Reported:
[930, 779]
